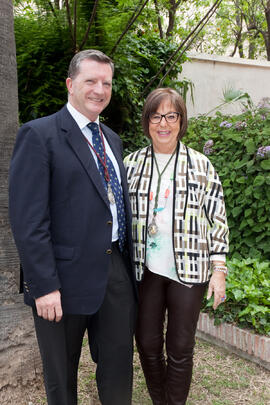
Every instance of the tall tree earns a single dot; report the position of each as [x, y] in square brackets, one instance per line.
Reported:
[17, 348]
[167, 15]
[241, 28]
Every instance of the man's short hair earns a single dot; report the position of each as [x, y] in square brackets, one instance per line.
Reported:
[90, 54]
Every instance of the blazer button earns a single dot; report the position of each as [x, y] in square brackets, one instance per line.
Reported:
[109, 222]
[109, 251]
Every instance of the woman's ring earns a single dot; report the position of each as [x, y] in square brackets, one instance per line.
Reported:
[223, 298]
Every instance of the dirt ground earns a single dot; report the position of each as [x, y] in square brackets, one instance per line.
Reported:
[219, 378]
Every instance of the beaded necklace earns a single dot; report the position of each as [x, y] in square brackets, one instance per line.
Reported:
[152, 227]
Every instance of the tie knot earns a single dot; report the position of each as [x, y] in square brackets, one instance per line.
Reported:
[93, 126]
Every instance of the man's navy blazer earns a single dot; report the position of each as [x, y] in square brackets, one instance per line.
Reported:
[60, 214]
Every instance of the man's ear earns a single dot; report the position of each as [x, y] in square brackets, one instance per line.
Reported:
[69, 84]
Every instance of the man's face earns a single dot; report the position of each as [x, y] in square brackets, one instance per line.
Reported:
[90, 91]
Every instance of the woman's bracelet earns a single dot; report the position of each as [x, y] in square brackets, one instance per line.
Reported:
[223, 269]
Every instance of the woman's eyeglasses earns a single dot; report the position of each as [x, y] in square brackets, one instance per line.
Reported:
[170, 117]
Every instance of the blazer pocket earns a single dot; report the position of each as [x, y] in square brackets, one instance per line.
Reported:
[63, 252]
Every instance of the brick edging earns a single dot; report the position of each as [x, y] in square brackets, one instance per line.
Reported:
[240, 341]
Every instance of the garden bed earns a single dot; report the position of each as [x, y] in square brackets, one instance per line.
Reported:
[243, 342]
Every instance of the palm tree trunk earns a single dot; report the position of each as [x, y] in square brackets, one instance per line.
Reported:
[17, 341]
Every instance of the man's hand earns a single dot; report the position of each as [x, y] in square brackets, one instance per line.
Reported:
[217, 285]
[49, 306]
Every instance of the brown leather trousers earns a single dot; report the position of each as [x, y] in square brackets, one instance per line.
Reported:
[168, 381]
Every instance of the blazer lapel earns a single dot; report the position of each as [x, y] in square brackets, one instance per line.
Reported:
[76, 140]
[182, 180]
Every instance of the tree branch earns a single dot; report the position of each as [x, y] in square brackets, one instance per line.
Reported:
[55, 15]
[159, 20]
[52, 8]
[69, 19]
[208, 16]
[172, 12]
[75, 27]
[263, 4]
[89, 25]
[217, 2]
[238, 38]
[129, 24]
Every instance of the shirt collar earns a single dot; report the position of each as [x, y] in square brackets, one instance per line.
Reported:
[80, 119]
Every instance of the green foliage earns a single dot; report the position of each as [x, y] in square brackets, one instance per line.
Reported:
[138, 59]
[248, 301]
[238, 28]
[245, 175]
[43, 63]
[42, 60]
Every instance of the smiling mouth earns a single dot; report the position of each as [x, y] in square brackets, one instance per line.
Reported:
[96, 100]
[163, 133]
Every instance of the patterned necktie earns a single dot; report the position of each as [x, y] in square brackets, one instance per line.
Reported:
[115, 185]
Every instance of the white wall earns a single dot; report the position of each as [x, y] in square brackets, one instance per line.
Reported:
[211, 74]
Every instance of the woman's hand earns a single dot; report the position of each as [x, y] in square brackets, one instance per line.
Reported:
[217, 285]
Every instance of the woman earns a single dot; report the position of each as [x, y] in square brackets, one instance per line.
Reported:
[180, 238]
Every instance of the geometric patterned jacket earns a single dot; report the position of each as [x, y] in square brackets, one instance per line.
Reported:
[199, 218]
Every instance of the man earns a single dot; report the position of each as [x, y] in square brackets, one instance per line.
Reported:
[70, 217]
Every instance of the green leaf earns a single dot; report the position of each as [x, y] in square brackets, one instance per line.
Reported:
[249, 190]
[226, 183]
[236, 211]
[255, 253]
[250, 163]
[245, 311]
[250, 146]
[238, 294]
[250, 222]
[258, 181]
[258, 228]
[257, 194]
[265, 164]
[267, 180]
[248, 212]
[233, 175]
[239, 165]
[241, 180]
[243, 224]
[260, 237]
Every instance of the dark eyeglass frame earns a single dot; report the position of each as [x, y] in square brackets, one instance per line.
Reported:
[165, 116]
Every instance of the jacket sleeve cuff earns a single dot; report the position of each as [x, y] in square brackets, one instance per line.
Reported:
[218, 258]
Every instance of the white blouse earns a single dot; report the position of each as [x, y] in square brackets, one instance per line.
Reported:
[159, 253]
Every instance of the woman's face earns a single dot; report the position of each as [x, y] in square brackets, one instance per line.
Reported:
[164, 135]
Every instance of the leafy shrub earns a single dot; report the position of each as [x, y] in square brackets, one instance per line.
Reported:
[248, 299]
[138, 59]
[42, 60]
[238, 148]
[43, 65]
